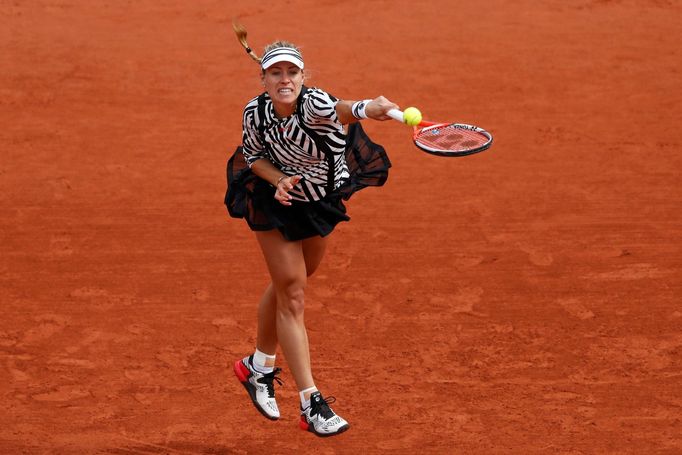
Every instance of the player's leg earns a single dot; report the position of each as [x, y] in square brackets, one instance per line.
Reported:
[267, 325]
[313, 251]
[287, 267]
[316, 415]
[257, 372]
[290, 263]
[280, 319]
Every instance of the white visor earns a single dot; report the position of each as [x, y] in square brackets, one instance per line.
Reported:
[281, 54]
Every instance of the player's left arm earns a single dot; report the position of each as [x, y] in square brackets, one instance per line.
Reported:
[344, 113]
[375, 109]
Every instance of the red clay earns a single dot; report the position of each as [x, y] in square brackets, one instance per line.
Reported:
[524, 300]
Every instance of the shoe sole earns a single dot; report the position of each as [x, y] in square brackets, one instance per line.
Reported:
[243, 374]
[305, 426]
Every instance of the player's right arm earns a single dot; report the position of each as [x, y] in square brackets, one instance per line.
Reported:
[258, 159]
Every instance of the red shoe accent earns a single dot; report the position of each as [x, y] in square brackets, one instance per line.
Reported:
[241, 371]
[303, 424]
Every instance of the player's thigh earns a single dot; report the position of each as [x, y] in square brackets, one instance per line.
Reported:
[285, 259]
[313, 252]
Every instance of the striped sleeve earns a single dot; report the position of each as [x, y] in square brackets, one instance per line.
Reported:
[319, 109]
[252, 144]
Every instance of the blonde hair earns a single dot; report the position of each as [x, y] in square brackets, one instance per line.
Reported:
[240, 31]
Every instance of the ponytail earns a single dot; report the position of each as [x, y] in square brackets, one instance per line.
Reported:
[240, 31]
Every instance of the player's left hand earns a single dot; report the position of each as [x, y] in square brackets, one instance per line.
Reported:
[378, 107]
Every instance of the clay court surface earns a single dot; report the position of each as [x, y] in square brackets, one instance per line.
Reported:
[526, 300]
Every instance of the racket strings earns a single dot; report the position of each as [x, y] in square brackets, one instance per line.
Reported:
[451, 138]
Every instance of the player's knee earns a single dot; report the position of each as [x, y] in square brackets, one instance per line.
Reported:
[291, 299]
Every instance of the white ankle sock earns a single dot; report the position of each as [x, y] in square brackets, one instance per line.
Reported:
[306, 403]
[263, 363]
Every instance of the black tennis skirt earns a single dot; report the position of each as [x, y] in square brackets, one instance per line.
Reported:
[252, 198]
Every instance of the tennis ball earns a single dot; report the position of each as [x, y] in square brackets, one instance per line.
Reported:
[412, 116]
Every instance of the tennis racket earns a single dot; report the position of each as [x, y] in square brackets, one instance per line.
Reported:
[447, 139]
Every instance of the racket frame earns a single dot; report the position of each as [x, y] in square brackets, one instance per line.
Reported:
[430, 126]
[426, 126]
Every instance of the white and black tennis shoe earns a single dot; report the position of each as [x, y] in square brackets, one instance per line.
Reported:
[319, 418]
[260, 386]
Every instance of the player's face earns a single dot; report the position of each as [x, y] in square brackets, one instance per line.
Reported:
[283, 82]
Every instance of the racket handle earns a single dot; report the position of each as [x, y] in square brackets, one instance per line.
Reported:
[395, 114]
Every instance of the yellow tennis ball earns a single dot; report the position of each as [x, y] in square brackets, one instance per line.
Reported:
[412, 116]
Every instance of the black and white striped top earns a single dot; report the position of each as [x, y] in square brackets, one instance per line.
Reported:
[291, 150]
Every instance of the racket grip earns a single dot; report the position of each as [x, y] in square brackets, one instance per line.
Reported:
[395, 114]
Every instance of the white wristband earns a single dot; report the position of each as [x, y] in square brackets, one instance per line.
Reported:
[358, 109]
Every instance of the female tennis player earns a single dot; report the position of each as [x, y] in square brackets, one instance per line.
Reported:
[296, 164]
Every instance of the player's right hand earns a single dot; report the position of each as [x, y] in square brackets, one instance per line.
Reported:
[284, 186]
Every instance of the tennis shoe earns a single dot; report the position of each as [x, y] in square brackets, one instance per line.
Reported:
[318, 418]
[260, 386]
